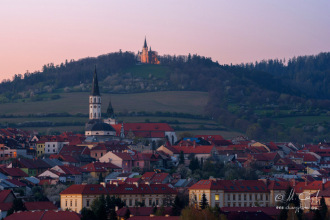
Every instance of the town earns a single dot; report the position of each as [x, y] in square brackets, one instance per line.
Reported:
[144, 170]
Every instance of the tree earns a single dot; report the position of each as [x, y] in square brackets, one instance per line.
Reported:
[181, 158]
[127, 214]
[177, 206]
[99, 208]
[18, 205]
[160, 211]
[87, 214]
[323, 208]
[100, 178]
[203, 203]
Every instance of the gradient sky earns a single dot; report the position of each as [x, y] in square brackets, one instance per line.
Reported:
[37, 32]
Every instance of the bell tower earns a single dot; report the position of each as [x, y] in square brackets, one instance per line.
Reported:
[95, 99]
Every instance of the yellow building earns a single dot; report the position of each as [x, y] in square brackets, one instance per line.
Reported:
[236, 193]
[77, 197]
[40, 148]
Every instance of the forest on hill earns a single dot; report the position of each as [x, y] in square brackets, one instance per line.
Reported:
[252, 98]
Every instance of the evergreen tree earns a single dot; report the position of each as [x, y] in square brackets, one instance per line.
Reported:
[113, 214]
[99, 208]
[177, 206]
[127, 214]
[18, 205]
[87, 214]
[100, 178]
[323, 208]
[203, 203]
[181, 158]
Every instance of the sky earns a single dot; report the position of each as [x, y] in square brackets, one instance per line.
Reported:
[38, 32]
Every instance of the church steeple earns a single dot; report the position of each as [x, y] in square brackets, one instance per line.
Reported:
[95, 86]
[145, 43]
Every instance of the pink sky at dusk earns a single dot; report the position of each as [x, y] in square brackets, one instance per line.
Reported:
[37, 32]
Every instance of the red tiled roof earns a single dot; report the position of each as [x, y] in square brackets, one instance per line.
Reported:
[271, 211]
[232, 185]
[32, 206]
[14, 172]
[155, 217]
[147, 176]
[90, 189]
[4, 194]
[278, 185]
[5, 206]
[159, 177]
[123, 156]
[125, 188]
[16, 182]
[44, 215]
[198, 149]
[307, 157]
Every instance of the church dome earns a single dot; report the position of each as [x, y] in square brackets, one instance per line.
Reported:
[101, 127]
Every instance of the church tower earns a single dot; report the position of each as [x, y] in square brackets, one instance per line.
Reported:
[95, 100]
[145, 54]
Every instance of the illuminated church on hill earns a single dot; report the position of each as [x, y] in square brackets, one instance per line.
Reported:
[147, 55]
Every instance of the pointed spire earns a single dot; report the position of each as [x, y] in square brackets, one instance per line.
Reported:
[145, 42]
[95, 86]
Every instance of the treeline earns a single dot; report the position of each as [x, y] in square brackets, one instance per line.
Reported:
[309, 75]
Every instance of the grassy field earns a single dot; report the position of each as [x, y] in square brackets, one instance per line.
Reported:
[73, 103]
[307, 120]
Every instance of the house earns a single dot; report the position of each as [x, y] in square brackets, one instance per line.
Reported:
[122, 160]
[37, 206]
[145, 161]
[40, 147]
[231, 193]
[98, 168]
[32, 167]
[191, 147]
[153, 177]
[151, 131]
[55, 144]
[7, 196]
[76, 197]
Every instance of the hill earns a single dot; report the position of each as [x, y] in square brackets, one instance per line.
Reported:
[247, 98]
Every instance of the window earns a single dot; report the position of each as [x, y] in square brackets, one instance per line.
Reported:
[130, 202]
[91, 115]
[87, 203]
[150, 202]
[239, 197]
[101, 154]
[156, 201]
[244, 197]
[95, 154]
[91, 106]
[94, 115]
[234, 197]
[70, 202]
[228, 197]
[216, 197]
[250, 196]
[266, 197]
[66, 202]
[53, 145]
[94, 106]
[54, 150]
[75, 203]
[94, 99]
